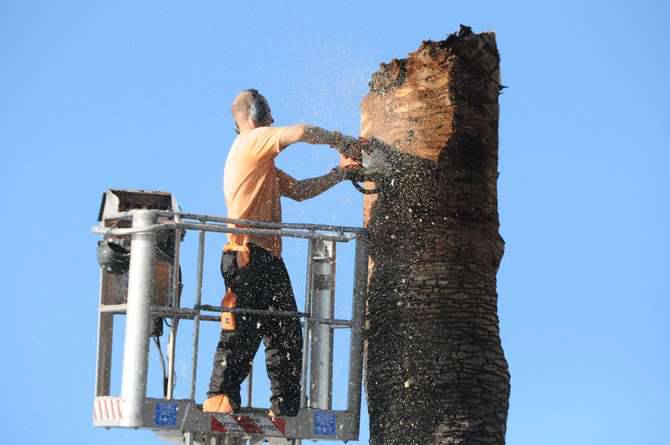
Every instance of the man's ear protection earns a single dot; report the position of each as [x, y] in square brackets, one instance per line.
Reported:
[259, 109]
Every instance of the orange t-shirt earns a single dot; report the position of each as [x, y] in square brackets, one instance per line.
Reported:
[252, 185]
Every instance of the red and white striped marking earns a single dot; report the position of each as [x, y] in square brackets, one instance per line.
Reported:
[225, 423]
[107, 408]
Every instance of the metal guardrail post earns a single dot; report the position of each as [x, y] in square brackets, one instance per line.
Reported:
[138, 319]
[250, 386]
[307, 329]
[175, 303]
[323, 306]
[358, 315]
[196, 318]
[104, 349]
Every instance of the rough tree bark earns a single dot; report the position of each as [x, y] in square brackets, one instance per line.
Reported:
[436, 371]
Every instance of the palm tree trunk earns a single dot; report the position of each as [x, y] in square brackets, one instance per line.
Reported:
[436, 370]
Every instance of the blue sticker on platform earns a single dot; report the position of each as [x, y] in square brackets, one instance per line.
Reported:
[166, 414]
[324, 423]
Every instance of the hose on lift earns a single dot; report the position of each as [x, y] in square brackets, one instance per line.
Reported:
[157, 342]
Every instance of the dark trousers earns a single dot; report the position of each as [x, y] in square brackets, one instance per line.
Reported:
[262, 284]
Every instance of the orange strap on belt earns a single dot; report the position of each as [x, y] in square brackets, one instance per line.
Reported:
[243, 254]
[229, 301]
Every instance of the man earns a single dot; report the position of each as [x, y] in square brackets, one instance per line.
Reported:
[252, 267]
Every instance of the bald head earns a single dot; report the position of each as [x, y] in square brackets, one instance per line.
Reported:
[241, 104]
[250, 110]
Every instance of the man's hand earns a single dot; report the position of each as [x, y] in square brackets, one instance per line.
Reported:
[350, 147]
[351, 173]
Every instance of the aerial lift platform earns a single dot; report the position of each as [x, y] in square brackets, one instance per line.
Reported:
[148, 227]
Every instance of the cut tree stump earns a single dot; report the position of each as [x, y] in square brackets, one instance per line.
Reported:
[435, 369]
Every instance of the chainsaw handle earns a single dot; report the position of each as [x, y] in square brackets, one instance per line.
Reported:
[363, 190]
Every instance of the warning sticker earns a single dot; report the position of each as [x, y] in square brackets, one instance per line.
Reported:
[225, 423]
[324, 423]
[166, 414]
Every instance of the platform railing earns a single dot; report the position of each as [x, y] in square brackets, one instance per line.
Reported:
[318, 316]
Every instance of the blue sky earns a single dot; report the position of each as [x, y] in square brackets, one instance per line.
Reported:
[136, 95]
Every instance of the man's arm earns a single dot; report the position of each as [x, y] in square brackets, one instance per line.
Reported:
[312, 134]
[308, 188]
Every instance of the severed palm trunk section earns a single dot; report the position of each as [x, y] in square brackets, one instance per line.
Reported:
[436, 370]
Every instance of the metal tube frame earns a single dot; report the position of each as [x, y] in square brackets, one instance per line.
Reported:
[196, 316]
[189, 313]
[307, 329]
[144, 228]
[224, 229]
[175, 303]
[321, 342]
[250, 386]
[138, 319]
[246, 222]
[104, 349]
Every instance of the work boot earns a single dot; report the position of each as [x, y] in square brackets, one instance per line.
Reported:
[219, 403]
[275, 412]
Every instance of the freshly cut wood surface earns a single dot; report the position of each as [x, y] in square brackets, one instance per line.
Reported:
[412, 105]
